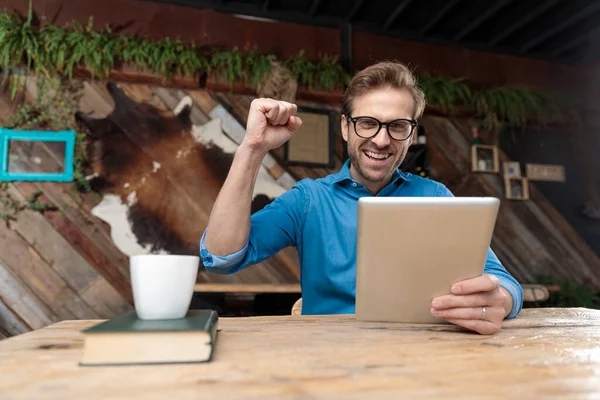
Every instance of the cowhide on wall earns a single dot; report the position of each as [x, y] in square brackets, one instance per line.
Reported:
[160, 175]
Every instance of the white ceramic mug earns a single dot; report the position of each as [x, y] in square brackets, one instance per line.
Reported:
[163, 285]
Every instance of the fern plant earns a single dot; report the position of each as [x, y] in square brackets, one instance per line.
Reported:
[330, 74]
[494, 106]
[229, 66]
[259, 66]
[516, 106]
[302, 69]
[444, 92]
[53, 51]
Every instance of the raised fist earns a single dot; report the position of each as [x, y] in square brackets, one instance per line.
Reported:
[270, 124]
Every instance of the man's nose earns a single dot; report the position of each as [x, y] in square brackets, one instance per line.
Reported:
[382, 138]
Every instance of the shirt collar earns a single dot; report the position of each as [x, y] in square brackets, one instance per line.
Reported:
[344, 174]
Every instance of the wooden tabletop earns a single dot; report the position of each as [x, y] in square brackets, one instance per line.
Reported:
[544, 353]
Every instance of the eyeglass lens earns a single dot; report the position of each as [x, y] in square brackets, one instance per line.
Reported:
[398, 129]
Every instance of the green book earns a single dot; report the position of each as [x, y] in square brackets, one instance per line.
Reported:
[126, 340]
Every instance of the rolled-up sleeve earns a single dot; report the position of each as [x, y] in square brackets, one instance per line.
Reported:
[494, 267]
[273, 228]
[220, 263]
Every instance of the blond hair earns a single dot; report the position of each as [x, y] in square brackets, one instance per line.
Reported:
[384, 74]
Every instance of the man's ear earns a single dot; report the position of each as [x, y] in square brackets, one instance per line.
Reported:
[412, 137]
[345, 124]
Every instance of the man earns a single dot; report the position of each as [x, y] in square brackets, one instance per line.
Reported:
[319, 217]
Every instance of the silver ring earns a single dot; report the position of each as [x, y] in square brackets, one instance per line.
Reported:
[484, 312]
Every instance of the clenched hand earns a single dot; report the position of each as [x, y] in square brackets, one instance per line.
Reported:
[270, 124]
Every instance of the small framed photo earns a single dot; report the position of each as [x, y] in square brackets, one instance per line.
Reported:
[32, 155]
[484, 158]
[512, 169]
[516, 188]
[313, 144]
[544, 172]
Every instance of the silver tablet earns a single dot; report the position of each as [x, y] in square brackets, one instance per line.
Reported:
[412, 249]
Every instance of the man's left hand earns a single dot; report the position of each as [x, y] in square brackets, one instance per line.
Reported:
[479, 304]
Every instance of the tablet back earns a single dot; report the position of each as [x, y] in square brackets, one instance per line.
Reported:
[412, 249]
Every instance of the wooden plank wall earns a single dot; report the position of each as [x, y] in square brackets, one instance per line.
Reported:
[531, 237]
[60, 264]
[45, 278]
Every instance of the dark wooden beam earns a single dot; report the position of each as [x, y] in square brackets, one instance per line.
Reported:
[313, 8]
[255, 10]
[577, 40]
[525, 19]
[346, 47]
[481, 19]
[439, 16]
[354, 10]
[396, 13]
[582, 13]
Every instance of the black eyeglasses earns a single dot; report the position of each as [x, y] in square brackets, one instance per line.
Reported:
[367, 127]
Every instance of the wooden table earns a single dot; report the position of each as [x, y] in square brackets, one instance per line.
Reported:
[544, 353]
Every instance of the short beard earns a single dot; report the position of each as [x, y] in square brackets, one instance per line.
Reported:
[354, 160]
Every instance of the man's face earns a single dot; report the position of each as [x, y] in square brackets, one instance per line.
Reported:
[374, 160]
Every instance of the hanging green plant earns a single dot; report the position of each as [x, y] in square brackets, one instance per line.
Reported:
[229, 65]
[515, 106]
[51, 50]
[61, 50]
[444, 92]
[259, 66]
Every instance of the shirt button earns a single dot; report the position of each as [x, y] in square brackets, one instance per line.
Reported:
[354, 184]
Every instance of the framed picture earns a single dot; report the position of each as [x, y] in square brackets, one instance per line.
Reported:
[543, 172]
[32, 155]
[516, 188]
[313, 144]
[484, 158]
[512, 169]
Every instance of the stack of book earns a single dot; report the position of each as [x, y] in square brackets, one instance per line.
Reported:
[126, 339]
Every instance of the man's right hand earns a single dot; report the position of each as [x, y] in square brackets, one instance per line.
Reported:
[270, 124]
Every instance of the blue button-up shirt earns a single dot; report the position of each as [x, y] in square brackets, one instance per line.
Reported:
[319, 218]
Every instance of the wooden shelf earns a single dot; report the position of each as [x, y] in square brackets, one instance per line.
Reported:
[482, 164]
[508, 189]
[247, 288]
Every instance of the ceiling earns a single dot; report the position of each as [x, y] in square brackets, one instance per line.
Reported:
[560, 31]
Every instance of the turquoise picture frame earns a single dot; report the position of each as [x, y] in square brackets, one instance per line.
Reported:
[6, 135]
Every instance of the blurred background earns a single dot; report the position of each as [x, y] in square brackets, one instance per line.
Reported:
[120, 119]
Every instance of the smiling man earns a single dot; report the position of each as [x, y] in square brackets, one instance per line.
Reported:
[319, 217]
